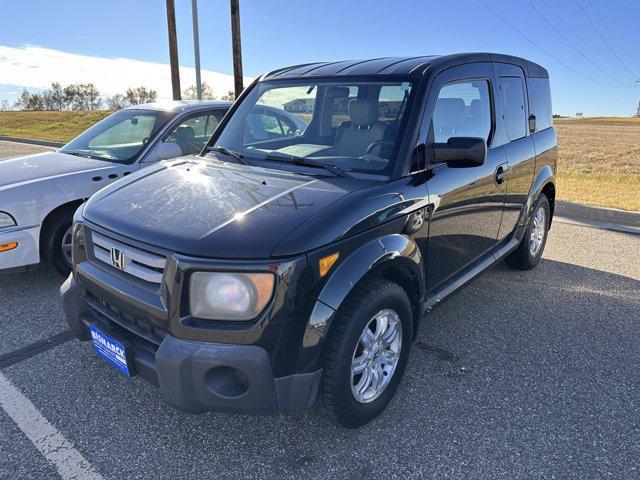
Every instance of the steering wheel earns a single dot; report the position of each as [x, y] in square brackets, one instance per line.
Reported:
[377, 143]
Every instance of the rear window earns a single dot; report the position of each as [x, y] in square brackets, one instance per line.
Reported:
[540, 102]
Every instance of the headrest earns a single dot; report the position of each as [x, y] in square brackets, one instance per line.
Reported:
[450, 112]
[186, 133]
[363, 112]
[475, 108]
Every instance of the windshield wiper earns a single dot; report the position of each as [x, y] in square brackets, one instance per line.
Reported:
[229, 153]
[307, 162]
[86, 155]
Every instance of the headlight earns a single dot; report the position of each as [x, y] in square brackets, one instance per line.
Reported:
[6, 220]
[229, 295]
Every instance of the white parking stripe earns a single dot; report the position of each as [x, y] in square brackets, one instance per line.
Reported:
[44, 436]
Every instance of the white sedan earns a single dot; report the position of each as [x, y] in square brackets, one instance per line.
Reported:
[39, 193]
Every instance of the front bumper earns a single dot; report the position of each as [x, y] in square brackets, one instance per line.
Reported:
[27, 252]
[198, 376]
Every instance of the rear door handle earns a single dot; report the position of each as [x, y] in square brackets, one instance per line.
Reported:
[501, 171]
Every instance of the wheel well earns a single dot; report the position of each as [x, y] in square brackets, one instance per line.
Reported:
[401, 275]
[63, 209]
[550, 192]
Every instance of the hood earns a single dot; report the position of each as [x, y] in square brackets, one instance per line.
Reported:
[20, 170]
[213, 209]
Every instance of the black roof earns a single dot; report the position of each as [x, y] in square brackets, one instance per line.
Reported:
[409, 66]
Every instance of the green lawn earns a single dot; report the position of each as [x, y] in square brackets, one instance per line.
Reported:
[51, 126]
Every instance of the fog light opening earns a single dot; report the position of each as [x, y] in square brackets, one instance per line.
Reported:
[227, 382]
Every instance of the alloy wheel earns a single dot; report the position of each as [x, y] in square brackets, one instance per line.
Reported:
[537, 231]
[376, 356]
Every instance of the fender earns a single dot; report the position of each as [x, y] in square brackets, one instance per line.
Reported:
[544, 177]
[392, 251]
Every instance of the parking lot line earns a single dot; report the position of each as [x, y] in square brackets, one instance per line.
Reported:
[43, 435]
[29, 351]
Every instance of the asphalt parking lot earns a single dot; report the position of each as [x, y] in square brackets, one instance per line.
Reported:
[521, 375]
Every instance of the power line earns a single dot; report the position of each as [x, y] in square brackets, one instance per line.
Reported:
[572, 45]
[613, 35]
[605, 40]
[544, 50]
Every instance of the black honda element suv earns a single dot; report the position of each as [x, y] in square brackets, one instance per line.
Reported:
[291, 261]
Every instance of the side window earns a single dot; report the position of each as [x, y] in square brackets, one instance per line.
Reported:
[513, 111]
[391, 101]
[262, 125]
[192, 134]
[212, 123]
[463, 109]
[540, 102]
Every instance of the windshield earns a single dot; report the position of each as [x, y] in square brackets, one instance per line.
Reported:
[353, 126]
[119, 137]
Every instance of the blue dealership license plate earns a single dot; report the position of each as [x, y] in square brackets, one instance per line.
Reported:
[111, 350]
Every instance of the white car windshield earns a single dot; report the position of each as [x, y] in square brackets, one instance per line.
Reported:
[349, 126]
[119, 137]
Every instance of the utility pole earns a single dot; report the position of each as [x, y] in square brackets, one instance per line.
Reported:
[173, 50]
[638, 110]
[196, 47]
[237, 49]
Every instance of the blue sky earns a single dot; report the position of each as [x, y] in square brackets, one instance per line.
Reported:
[277, 34]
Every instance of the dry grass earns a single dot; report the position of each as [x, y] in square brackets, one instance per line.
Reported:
[599, 161]
[51, 126]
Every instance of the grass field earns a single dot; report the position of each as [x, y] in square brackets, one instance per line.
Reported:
[51, 126]
[599, 158]
[599, 161]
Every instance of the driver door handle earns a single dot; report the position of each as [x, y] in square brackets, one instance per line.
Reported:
[501, 171]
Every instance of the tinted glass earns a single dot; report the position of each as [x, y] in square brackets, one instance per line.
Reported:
[513, 111]
[351, 125]
[463, 109]
[119, 137]
[540, 102]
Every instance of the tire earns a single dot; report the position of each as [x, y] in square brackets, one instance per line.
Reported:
[338, 394]
[526, 257]
[55, 230]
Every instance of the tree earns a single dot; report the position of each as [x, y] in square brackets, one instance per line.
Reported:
[4, 105]
[191, 93]
[138, 95]
[117, 102]
[53, 98]
[230, 96]
[29, 101]
[82, 96]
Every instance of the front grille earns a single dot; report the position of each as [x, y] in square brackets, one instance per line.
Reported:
[122, 320]
[139, 263]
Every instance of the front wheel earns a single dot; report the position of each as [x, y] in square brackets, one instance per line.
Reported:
[56, 242]
[529, 252]
[367, 353]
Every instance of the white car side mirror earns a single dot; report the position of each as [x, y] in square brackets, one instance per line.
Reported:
[167, 150]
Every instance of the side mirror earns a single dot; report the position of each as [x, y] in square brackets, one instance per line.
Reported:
[461, 152]
[167, 150]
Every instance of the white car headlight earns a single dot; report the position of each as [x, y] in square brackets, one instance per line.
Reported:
[229, 295]
[6, 220]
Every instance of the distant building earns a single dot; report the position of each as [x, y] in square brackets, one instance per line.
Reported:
[300, 105]
[341, 106]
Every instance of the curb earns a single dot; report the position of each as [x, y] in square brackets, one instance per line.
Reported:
[30, 141]
[598, 214]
